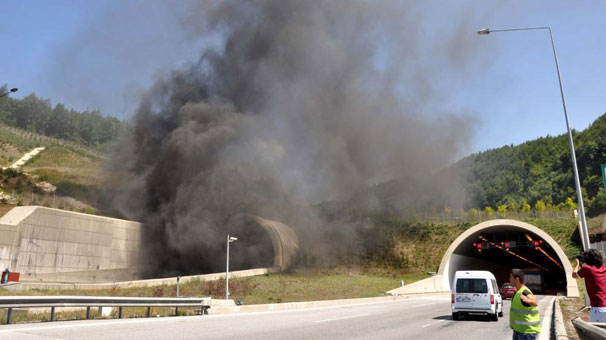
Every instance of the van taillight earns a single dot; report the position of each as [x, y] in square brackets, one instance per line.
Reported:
[491, 299]
[452, 298]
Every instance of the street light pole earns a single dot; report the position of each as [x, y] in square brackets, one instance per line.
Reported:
[229, 240]
[577, 181]
[14, 89]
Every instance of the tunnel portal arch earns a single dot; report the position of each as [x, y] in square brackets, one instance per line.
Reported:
[269, 242]
[463, 255]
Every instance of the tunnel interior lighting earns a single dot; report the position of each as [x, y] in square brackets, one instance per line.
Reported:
[538, 247]
[512, 253]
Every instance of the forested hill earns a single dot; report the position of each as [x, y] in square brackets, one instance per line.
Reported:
[35, 114]
[539, 172]
[534, 174]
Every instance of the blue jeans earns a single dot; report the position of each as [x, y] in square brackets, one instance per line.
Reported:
[525, 336]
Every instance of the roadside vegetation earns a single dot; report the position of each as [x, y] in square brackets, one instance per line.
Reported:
[71, 170]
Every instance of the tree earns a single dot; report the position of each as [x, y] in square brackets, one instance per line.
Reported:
[540, 205]
[502, 209]
[570, 205]
[35, 114]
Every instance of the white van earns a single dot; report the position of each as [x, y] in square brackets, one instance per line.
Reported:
[475, 291]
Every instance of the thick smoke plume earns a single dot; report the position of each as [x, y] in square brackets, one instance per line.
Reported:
[299, 103]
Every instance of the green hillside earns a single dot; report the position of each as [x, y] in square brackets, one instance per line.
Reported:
[70, 167]
[538, 171]
[37, 115]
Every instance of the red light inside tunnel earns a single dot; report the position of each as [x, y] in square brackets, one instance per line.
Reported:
[474, 244]
[540, 241]
[507, 244]
[536, 243]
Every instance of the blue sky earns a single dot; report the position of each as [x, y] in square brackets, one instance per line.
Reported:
[104, 54]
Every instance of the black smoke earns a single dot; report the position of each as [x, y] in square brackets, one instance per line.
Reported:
[301, 103]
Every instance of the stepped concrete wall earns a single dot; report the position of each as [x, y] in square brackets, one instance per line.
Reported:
[52, 245]
[43, 240]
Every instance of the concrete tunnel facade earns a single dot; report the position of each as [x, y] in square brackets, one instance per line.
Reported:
[550, 260]
[54, 245]
[281, 248]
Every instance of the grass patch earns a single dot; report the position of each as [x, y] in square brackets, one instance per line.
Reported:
[280, 287]
[295, 287]
[63, 157]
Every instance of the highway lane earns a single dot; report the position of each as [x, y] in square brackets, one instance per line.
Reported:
[424, 318]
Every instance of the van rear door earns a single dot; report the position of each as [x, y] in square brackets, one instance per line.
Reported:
[482, 295]
[464, 294]
[472, 294]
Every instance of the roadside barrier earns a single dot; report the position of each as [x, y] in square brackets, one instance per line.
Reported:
[589, 330]
[10, 302]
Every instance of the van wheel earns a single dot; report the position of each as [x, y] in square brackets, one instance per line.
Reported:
[501, 312]
[455, 315]
[494, 317]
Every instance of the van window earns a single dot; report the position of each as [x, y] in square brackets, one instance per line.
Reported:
[495, 288]
[472, 286]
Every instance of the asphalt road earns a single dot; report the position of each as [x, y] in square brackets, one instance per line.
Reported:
[416, 318]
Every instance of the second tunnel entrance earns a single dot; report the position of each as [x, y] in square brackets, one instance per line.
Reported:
[500, 245]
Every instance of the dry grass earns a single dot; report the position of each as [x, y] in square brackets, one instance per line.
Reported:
[571, 309]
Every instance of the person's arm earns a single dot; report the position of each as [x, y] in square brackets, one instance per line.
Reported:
[529, 299]
[576, 270]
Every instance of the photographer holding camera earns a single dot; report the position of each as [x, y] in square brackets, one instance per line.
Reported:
[591, 268]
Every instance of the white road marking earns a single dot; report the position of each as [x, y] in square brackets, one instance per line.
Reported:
[343, 318]
[427, 304]
[433, 323]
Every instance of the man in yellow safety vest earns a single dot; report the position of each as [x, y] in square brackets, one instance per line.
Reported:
[524, 316]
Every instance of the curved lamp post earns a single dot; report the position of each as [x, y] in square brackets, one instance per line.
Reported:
[14, 89]
[577, 182]
[229, 240]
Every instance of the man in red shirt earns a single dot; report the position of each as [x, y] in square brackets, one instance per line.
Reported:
[591, 268]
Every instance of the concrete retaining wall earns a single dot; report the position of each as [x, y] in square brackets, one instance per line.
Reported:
[56, 246]
[429, 285]
[138, 283]
[44, 240]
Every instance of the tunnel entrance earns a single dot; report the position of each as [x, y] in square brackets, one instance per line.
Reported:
[500, 245]
[500, 249]
[254, 247]
[261, 243]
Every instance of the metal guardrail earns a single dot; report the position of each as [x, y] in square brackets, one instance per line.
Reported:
[10, 302]
[589, 330]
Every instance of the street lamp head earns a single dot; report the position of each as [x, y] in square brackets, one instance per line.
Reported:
[484, 31]
[231, 239]
[14, 89]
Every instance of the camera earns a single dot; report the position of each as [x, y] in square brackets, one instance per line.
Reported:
[582, 257]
